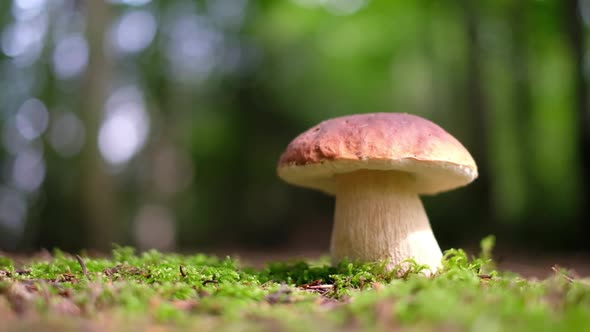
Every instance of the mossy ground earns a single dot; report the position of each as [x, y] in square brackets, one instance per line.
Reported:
[155, 291]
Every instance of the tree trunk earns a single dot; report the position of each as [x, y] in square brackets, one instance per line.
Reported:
[522, 100]
[575, 32]
[98, 201]
[478, 112]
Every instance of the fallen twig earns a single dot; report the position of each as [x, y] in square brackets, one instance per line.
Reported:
[182, 273]
[319, 287]
[83, 265]
[561, 273]
[485, 276]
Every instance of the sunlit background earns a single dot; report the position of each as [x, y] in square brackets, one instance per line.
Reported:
[159, 123]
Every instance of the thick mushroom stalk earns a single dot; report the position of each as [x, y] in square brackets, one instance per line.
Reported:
[380, 217]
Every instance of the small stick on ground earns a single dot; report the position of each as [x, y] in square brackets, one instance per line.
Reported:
[561, 273]
[83, 265]
[182, 273]
[313, 283]
[319, 287]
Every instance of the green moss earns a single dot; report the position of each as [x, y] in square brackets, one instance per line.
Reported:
[209, 293]
[5, 263]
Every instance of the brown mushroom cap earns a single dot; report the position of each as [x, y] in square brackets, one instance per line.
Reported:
[381, 142]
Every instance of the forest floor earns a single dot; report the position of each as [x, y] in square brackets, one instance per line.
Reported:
[539, 265]
[153, 291]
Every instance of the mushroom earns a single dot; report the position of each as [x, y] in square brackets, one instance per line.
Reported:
[376, 165]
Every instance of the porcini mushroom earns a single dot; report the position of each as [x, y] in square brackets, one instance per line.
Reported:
[377, 165]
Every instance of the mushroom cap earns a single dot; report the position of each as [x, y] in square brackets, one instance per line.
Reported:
[400, 142]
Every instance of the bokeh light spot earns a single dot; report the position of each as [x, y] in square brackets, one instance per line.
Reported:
[28, 170]
[134, 31]
[27, 9]
[154, 228]
[192, 48]
[32, 118]
[131, 2]
[125, 127]
[23, 40]
[172, 170]
[70, 56]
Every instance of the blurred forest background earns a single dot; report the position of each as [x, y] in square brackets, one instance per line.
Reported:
[159, 123]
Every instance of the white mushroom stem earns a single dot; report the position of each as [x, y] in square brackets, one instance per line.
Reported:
[379, 217]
